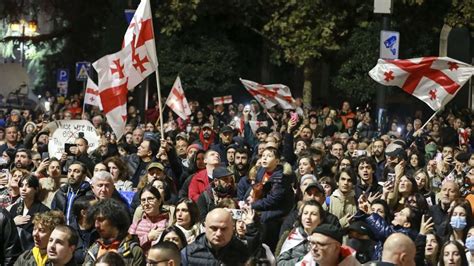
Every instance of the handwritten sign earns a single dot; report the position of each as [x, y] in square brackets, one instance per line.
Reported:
[66, 132]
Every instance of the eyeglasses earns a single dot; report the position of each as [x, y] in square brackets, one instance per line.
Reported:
[148, 200]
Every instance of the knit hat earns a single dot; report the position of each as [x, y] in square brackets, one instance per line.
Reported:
[220, 172]
[308, 176]
[315, 185]
[195, 146]
[329, 230]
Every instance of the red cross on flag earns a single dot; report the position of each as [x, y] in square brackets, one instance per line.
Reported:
[125, 69]
[434, 80]
[91, 96]
[177, 102]
[270, 95]
[222, 100]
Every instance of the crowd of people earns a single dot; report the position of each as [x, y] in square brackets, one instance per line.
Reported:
[238, 184]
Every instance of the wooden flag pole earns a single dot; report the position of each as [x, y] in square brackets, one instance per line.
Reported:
[159, 103]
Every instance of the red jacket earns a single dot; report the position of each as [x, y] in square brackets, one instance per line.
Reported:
[198, 184]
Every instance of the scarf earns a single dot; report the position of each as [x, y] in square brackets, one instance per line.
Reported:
[40, 259]
[293, 240]
[103, 247]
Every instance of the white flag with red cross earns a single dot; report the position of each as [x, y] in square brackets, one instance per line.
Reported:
[222, 100]
[270, 95]
[177, 102]
[434, 80]
[91, 95]
[125, 69]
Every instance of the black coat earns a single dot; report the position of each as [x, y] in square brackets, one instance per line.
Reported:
[200, 253]
[60, 199]
[10, 248]
[26, 230]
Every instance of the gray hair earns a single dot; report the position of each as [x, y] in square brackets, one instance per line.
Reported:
[102, 176]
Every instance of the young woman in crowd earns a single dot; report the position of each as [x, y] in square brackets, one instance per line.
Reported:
[295, 243]
[120, 173]
[154, 219]
[175, 235]
[24, 210]
[432, 248]
[459, 221]
[452, 254]
[186, 217]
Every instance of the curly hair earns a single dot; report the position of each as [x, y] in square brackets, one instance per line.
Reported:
[112, 210]
[49, 219]
[124, 172]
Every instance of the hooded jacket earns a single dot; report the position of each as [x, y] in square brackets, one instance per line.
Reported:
[129, 249]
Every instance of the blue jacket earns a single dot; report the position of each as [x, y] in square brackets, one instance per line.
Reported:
[381, 230]
[278, 198]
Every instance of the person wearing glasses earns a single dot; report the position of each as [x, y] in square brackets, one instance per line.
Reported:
[325, 245]
[154, 219]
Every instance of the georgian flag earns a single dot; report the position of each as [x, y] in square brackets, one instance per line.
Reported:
[91, 95]
[222, 100]
[177, 102]
[434, 80]
[125, 69]
[270, 95]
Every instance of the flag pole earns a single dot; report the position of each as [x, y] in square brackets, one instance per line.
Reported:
[426, 123]
[157, 74]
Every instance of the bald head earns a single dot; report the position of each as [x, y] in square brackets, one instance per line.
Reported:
[399, 249]
[219, 228]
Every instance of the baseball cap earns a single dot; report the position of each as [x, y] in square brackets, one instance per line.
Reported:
[155, 165]
[359, 227]
[226, 129]
[207, 125]
[315, 185]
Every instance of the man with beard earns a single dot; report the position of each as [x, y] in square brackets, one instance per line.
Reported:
[79, 153]
[23, 159]
[378, 148]
[221, 187]
[75, 188]
[225, 141]
[241, 163]
[206, 137]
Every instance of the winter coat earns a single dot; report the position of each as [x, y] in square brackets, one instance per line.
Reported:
[198, 184]
[292, 217]
[142, 227]
[296, 253]
[26, 258]
[136, 166]
[129, 249]
[346, 258]
[10, 248]
[381, 230]
[25, 231]
[278, 197]
[200, 253]
[340, 205]
[60, 200]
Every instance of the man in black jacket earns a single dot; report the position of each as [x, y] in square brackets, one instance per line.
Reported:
[10, 248]
[75, 188]
[217, 245]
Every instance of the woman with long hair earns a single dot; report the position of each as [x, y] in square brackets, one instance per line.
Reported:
[26, 207]
[452, 254]
[459, 221]
[175, 235]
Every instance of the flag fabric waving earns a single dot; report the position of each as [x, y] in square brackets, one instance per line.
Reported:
[222, 100]
[91, 95]
[434, 80]
[270, 95]
[177, 102]
[125, 69]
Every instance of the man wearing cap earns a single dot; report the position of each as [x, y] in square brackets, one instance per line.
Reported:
[394, 154]
[312, 191]
[225, 140]
[326, 248]
[206, 136]
[360, 239]
[200, 181]
[221, 187]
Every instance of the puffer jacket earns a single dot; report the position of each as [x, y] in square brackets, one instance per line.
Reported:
[381, 230]
[278, 197]
[129, 249]
[341, 205]
[200, 253]
[10, 248]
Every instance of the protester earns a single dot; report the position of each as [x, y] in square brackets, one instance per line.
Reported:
[61, 246]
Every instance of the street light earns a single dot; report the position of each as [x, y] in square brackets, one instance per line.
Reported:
[23, 28]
